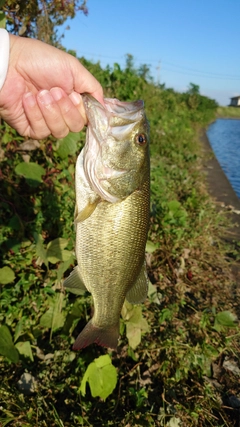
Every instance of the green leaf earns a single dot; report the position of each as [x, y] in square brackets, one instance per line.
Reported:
[174, 206]
[32, 172]
[7, 347]
[153, 293]
[14, 245]
[15, 223]
[133, 335]
[5, 421]
[63, 267]
[54, 318]
[165, 314]
[24, 348]
[174, 422]
[2, 19]
[56, 251]
[7, 275]
[151, 247]
[103, 361]
[131, 354]
[225, 319]
[90, 371]
[19, 329]
[136, 325]
[101, 376]
[40, 250]
[68, 145]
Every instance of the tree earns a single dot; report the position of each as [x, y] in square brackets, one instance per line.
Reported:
[129, 63]
[193, 89]
[144, 72]
[39, 18]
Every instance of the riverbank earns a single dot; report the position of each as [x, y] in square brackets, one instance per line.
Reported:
[223, 194]
[228, 112]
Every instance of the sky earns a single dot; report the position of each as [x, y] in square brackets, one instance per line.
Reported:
[182, 41]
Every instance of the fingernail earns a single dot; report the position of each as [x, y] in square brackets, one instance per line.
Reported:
[75, 98]
[45, 97]
[30, 99]
[56, 92]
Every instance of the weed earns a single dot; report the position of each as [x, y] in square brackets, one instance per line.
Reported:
[169, 369]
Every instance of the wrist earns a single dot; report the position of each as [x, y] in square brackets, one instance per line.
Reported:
[4, 55]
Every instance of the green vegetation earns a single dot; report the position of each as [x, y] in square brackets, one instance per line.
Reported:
[228, 112]
[178, 357]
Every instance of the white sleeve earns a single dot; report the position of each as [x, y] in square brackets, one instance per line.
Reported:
[4, 55]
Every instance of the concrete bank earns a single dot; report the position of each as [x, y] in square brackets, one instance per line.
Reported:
[222, 192]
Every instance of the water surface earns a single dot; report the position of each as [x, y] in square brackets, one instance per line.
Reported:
[224, 137]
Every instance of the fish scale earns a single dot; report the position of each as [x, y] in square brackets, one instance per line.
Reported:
[113, 256]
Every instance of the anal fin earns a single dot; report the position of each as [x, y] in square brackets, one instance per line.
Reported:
[138, 292]
[74, 282]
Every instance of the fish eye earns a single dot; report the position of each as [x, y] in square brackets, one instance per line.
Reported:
[141, 139]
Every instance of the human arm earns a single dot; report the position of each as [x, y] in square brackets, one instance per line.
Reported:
[41, 94]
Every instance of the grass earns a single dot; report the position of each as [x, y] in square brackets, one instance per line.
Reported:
[184, 369]
[228, 112]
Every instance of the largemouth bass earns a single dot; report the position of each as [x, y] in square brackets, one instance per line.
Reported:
[111, 215]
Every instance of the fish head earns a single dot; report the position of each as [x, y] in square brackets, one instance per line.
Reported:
[116, 153]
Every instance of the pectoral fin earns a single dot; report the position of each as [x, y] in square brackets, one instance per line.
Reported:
[138, 293]
[74, 282]
[86, 212]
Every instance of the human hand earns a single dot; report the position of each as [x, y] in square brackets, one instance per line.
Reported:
[41, 93]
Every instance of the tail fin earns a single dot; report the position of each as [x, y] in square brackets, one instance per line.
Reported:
[106, 337]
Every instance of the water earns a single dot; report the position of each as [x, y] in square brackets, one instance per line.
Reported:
[224, 137]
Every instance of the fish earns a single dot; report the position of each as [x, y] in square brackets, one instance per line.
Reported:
[112, 184]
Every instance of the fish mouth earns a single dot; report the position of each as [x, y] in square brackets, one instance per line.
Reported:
[123, 109]
[109, 124]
